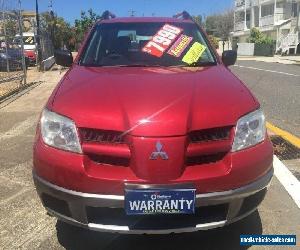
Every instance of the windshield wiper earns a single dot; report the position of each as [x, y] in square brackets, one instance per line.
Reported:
[90, 64]
[199, 64]
[139, 65]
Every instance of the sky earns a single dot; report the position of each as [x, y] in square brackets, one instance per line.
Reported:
[70, 9]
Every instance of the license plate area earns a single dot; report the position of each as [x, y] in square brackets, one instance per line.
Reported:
[159, 201]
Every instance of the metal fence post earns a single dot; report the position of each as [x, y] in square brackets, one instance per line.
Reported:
[20, 20]
[38, 37]
[5, 40]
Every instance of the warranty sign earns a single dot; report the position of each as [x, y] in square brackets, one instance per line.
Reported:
[159, 201]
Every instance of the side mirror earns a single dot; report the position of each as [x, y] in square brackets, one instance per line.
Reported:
[229, 57]
[63, 57]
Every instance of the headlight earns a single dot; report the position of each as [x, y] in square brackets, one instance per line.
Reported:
[59, 132]
[250, 130]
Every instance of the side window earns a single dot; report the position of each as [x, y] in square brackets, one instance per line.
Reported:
[92, 53]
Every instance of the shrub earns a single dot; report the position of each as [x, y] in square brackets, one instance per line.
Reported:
[214, 41]
[258, 37]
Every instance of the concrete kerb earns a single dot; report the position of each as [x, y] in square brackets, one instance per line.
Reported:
[274, 59]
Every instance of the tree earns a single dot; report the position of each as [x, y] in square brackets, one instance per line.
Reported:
[220, 25]
[10, 22]
[258, 37]
[214, 41]
[226, 24]
[198, 20]
[211, 24]
[60, 31]
[83, 24]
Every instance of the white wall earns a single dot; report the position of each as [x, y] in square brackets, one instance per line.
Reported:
[245, 49]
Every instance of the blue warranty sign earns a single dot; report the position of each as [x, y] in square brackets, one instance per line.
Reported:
[159, 201]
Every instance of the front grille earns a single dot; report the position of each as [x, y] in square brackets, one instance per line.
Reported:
[117, 216]
[110, 160]
[204, 159]
[212, 134]
[101, 136]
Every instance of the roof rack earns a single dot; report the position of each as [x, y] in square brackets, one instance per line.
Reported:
[107, 15]
[184, 14]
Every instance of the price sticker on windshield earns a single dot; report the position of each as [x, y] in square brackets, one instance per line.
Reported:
[194, 53]
[162, 40]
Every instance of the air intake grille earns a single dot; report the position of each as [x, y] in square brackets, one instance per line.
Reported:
[101, 136]
[204, 159]
[213, 134]
[110, 160]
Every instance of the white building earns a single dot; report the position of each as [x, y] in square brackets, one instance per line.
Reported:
[278, 19]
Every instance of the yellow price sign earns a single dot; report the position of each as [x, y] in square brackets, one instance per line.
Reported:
[194, 53]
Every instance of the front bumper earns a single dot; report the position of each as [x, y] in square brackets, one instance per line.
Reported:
[106, 212]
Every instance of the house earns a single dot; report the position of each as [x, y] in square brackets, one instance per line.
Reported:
[278, 19]
[29, 22]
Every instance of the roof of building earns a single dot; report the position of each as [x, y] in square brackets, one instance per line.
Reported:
[28, 13]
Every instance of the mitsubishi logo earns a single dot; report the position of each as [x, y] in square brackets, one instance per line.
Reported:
[159, 153]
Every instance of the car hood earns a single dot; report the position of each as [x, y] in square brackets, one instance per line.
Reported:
[152, 101]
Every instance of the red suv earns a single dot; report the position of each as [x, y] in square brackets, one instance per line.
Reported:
[150, 132]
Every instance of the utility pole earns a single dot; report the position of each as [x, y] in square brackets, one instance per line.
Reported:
[38, 37]
[53, 24]
[20, 20]
[132, 13]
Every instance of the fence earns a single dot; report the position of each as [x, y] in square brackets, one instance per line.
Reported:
[18, 48]
[47, 50]
[12, 57]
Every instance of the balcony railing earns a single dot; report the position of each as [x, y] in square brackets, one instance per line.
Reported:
[241, 3]
[265, 1]
[266, 21]
[279, 17]
[239, 26]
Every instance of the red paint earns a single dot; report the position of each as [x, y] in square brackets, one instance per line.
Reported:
[149, 105]
[78, 172]
[30, 54]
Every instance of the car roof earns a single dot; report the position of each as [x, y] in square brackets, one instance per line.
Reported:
[145, 20]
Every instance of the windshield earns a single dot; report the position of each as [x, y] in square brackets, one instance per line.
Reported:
[147, 44]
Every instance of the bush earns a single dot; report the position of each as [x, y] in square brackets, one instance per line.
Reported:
[258, 37]
[214, 41]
